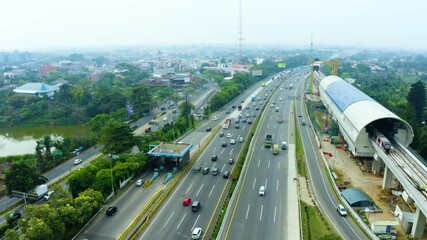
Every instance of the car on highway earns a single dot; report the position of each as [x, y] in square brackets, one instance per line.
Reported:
[237, 126]
[197, 233]
[221, 134]
[187, 201]
[197, 168]
[111, 210]
[299, 115]
[215, 118]
[257, 108]
[227, 112]
[206, 170]
[341, 210]
[249, 121]
[48, 195]
[228, 135]
[139, 182]
[165, 119]
[237, 120]
[232, 141]
[241, 139]
[215, 171]
[214, 157]
[233, 106]
[77, 161]
[14, 216]
[208, 129]
[226, 174]
[261, 191]
[231, 161]
[224, 144]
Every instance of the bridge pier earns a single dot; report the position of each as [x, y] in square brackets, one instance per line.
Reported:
[376, 166]
[419, 224]
[388, 178]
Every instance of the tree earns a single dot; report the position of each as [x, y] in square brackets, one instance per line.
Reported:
[21, 178]
[47, 218]
[81, 180]
[417, 98]
[117, 137]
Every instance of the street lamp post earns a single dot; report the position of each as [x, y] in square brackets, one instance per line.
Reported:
[111, 171]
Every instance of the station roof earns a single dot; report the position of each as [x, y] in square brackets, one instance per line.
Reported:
[33, 88]
[357, 107]
[177, 150]
[354, 195]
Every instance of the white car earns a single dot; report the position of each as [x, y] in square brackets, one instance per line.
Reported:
[341, 210]
[139, 182]
[261, 191]
[165, 119]
[197, 233]
[48, 195]
[77, 161]
[229, 135]
[241, 139]
[215, 118]
[232, 141]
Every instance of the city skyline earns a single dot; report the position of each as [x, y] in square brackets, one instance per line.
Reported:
[48, 24]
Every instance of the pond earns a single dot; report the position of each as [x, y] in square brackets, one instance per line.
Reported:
[17, 141]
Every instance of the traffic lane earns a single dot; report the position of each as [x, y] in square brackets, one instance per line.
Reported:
[128, 206]
[348, 229]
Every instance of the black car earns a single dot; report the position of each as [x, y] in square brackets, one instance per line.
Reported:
[226, 174]
[227, 112]
[206, 170]
[111, 210]
[231, 161]
[233, 106]
[224, 144]
[214, 157]
[237, 126]
[221, 134]
[208, 129]
[14, 216]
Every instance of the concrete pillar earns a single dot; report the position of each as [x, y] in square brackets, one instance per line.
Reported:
[388, 177]
[419, 224]
[376, 166]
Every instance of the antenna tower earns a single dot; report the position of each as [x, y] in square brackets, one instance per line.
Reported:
[240, 32]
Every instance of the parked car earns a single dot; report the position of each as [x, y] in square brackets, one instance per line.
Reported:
[111, 210]
[341, 210]
[77, 161]
[187, 201]
[139, 182]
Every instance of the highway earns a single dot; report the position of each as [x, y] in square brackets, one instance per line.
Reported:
[325, 195]
[265, 217]
[175, 221]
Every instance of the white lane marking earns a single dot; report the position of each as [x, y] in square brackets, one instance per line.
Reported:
[189, 189]
[197, 219]
[181, 221]
[274, 219]
[222, 151]
[231, 151]
[253, 185]
[266, 180]
[222, 169]
[259, 161]
[243, 128]
[260, 215]
[200, 190]
[268, 166]
[214, 151]
[211, 191]
[247, 211]
[278, 165]
[166, 223]
[277, 185]
[275, 126]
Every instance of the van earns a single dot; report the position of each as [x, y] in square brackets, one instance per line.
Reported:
[195, 207]
[284, 146]
[261, 191]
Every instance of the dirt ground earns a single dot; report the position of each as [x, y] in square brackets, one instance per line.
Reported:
[353, 173]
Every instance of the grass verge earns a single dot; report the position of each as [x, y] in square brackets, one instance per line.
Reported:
[314, 226]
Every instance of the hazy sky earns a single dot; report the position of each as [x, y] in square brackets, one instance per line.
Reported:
[41, 24]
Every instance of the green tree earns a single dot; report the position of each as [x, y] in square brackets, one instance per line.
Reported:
[81, 180]
[22, 178]
[45, 216]
[11, 234]
[117, 137]
[417, 98]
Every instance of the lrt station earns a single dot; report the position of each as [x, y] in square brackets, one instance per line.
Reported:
[170, 154]
[372, 132]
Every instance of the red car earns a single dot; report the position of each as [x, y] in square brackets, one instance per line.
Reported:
[187, 201]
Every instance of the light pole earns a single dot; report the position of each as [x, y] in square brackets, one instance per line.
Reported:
[111, 170]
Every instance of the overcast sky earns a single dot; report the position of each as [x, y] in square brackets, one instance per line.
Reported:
[44, 24]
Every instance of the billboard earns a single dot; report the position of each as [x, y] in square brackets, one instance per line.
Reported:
[281, 65]
[256, 72]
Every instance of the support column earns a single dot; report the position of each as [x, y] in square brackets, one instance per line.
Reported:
[376, 166]
[419, 224]
[388, 177]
